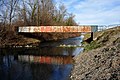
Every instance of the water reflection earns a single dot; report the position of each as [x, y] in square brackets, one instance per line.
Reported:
[46, 59]
[46, 62]
[71, 41]
[49, 51]
[33, 68]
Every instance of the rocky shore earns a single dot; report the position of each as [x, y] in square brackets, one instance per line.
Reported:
[101, 58]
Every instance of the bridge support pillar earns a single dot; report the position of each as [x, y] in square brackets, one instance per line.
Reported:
[91, 36]
[89, 40]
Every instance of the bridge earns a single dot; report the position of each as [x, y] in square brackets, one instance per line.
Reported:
[58, 29]
[64, 29]
[36, 29]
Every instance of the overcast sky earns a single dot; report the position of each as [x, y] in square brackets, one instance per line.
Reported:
[103, 12]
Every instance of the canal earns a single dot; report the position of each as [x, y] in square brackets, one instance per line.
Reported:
[50, 61]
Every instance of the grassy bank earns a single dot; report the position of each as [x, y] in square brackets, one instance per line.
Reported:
[102, 38]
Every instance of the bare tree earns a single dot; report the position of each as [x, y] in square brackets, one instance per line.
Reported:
[33, 12]
[8, 10]
[12, 8]
[70, 20]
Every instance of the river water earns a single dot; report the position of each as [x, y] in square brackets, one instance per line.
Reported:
[47, 62]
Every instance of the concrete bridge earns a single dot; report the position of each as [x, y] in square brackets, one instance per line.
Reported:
[58, 29]
[63, 29]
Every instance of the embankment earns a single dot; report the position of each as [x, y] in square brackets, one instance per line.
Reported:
[101, 58]
[9, 39]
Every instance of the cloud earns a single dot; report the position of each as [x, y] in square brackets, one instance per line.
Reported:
[94, 11]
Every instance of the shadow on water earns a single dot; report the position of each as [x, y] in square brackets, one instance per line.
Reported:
[41, 63]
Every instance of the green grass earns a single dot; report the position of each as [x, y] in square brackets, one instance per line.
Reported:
[92, 45]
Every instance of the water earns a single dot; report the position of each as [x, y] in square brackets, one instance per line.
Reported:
[47, 62]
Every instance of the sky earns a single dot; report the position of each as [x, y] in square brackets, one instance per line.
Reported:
[93, 12]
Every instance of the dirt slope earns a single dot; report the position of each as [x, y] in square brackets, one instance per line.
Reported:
[101, 59]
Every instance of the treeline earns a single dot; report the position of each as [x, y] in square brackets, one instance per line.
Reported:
[33, 12]
[15, 13]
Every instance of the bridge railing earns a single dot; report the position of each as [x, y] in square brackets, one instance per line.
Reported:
[104, 27]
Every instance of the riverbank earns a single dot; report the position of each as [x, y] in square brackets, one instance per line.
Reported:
[101, 58]
[10, 39]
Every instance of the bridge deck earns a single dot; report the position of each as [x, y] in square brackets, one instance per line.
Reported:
[34, 29]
